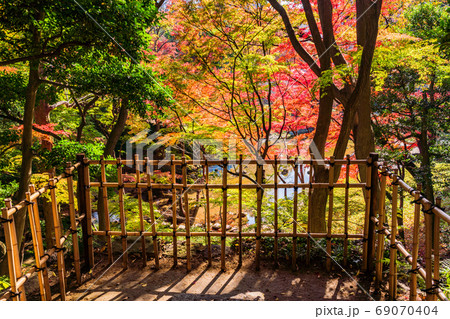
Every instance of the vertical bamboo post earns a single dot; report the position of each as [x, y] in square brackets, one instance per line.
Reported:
[12, 251]
[123, 221]
[81, 196]
[381, 225]
[240, 210]
[436, 245]
[152, 213]
[106, 209]
[367, 222]
[373, 208]
[174, 211]
[87, 190]
[308, 239]
[415, 247]
[208, 213]
[58, 236]
[330, 211]
[347, 187]
[259, 195]
[40, 247]
[294, 224]
[37, 256]
[186, 208]
[73, 225]
[393, 247]
[428, 250]
[275, 212]
[224, 212]
[141, 216]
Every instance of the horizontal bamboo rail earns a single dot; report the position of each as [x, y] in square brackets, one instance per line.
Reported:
[228, 234]
[230, 162]
[220, 186]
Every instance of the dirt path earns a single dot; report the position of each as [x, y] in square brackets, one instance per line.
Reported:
[203, 283]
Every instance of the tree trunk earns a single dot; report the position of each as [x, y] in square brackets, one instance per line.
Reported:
[117, 130]
[114, 136]
[27, 154]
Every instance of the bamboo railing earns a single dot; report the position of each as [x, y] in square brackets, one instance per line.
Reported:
[375, 230]
[179, 188]
[431, 212]
[17, 276]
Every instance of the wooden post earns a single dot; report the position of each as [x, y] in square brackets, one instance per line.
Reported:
[186, 208]
[308, 239]
[87, 191]
[367, 221]
[275, 212]
[240, 210]
[208, 214]
[106, 209]
[174, 211]
[12, 252]
[152, 213]
[428, 250]
[381, 222]
[373, 208]
[415, 247]
[40, 246]
[393, 247]
[347, 183]
[436, 245]
[259, 194]
[37, 256]
[224, 212]
[58, 235]
[294, 224]
[123, 221]
[330, 212]
[141, 216]
[82, 210]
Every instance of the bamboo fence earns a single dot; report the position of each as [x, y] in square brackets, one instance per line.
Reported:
[376, 232]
